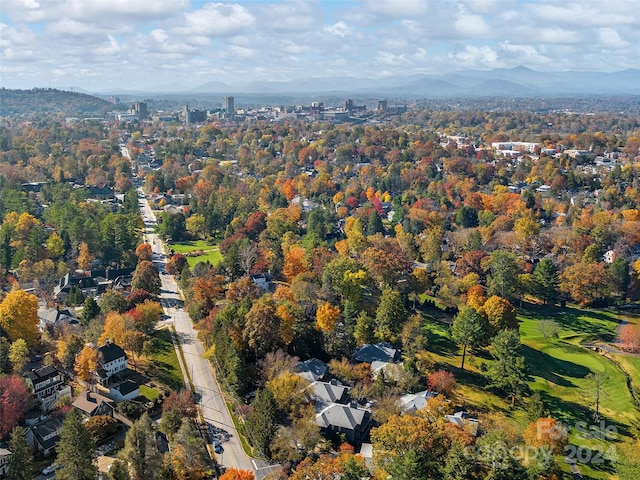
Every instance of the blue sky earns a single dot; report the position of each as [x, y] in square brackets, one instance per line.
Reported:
[100, 45]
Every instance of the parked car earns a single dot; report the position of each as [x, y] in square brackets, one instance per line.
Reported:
[217, 447]
[51, 468]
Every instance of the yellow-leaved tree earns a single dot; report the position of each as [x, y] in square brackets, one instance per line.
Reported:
[327, 316]
[86, 362]
[19, 316]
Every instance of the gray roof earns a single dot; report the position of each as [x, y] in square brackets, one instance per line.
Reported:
[312, 369]
[45, 428]
[382, 352]
[324, 393]
[416, 401]
[344, 416]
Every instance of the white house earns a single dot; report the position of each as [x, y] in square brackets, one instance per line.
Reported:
[112, 360]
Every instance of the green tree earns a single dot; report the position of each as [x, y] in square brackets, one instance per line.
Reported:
[5, 363]
[374, 224]
[20, 462]
[467, 217]
[89, 311]
[18, 355]
[146, 277]
[546, 280]
[469, 329]
[141, 450]
[261, 422]
[618, 272]
[112, 301]
[188, 457]
[390, 315]
[503, 275]
[76, 449]
[119, 471]
[507, 371]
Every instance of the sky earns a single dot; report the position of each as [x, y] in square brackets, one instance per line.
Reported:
[100, 45]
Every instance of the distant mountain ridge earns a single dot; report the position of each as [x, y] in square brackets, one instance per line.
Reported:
[518, 81]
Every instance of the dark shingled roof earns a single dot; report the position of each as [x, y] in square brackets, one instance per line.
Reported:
[40, 374]
[111, 352]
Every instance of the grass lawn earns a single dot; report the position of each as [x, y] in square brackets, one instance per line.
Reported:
[149, 393]
[163, 366]
[210, 252]
[557, 371]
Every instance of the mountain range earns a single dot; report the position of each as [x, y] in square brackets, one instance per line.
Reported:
[514, 82]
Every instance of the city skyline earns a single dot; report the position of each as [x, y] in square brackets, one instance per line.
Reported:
[103, 45]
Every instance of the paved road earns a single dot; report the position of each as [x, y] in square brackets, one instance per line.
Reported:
[208, 394]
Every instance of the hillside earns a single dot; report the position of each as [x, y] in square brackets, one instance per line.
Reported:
[49, 100]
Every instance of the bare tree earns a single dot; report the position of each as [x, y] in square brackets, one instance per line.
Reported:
[596, 391]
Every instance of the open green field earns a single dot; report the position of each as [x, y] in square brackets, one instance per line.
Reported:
[210, 252]
[557, 371]
[163, 365]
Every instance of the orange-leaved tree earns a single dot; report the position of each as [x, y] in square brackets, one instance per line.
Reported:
[236, 474]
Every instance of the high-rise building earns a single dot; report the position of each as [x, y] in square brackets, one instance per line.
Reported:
[140, 109]
[228, 106]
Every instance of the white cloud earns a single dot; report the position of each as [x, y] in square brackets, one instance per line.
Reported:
[609, 38]
[339, 29]
[217, 20]
[476, 57]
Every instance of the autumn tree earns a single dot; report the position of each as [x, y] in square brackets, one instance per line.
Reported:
[236, 474]
[84, 256]
[630, 337]
[469, 329]
[546, 432]
[115, 328]
[182, 401]
[442, 382]
[262, 326]
[188, 458]
[289, 391]
[76, 449]
[144, 252]
[19, 316]
[586, 283]
[413, 446]
[176, 264]
[14, 401]
[500, 314]
[86, 362]
[327, 316]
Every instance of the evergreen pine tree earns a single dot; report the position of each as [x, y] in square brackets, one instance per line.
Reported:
[20, 460]
[76, 450]
[141, 450]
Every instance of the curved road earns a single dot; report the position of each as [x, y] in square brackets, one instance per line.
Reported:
[208, 394]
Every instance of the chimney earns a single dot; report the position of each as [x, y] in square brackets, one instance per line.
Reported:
[88, 396]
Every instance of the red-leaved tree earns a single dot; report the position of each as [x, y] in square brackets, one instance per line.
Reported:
[630, 338]
[442, 382]
[14, 401]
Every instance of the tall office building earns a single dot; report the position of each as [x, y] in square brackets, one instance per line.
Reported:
[227, 105]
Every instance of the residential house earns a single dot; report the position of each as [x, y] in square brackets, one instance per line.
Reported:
[464, 421]
[45, 434]
[5, 455]
[381, 352]
[348, 420]
[262, 280]
[92, 283]
[324, 393]
[92, 404]
[112, 360]
[48, 386]
[312, 370]
[55, 317]
[127, 390]
[412, 402]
